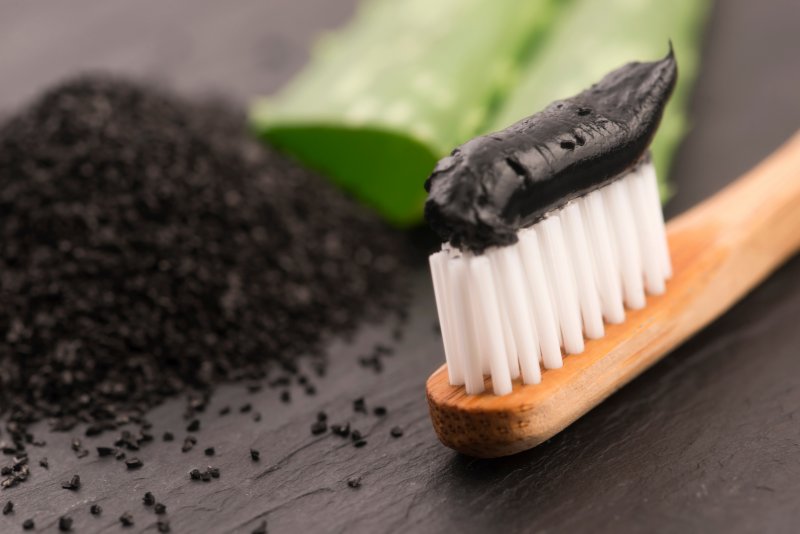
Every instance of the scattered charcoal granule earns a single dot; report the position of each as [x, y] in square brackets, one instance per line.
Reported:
[311, 390]
[194, 426]
[360, 405]
[254, 388]
[257, 417]
[126, 519]
[120, 455]
[214, 472]
[209, 451]
[73, 484]
[133, 463]
[105, 451]
[76, 444]
[356, 435]
[396, 432]
[188, 443]
[322, 416]
[162, 525]
[28, 524]
[245, 408]
[8, 507]
[260, 529]
[168, 436]
[371, 362]
[95, 509]
[359, 443]
[286, 396]
[150, 246]
[94, 430]
[341, 430]
[255, 455]
[225, 411]
[319, 427]
[45, 463]
[149, 499]
[160, 508]
[383, 349]
[281, 381]
[354, 482]
[380, 411]
[64, 523]
[195, 474]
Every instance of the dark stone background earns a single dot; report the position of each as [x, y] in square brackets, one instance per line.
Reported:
[706, 441]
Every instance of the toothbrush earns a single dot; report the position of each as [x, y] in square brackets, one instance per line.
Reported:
[541, 284]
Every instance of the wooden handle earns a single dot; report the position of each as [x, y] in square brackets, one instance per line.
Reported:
[721, 249]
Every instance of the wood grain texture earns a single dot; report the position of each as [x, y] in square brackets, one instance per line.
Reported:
[720, 250]
[707, 440]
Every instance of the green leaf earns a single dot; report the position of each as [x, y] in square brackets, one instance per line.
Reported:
[382, 100]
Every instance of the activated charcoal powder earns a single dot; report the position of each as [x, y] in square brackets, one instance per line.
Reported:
[149, 246]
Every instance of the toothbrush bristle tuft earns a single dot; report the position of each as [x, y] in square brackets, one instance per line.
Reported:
[512, 310]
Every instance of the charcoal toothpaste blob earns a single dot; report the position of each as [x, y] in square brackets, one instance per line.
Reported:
[552, 227]
[493, 185]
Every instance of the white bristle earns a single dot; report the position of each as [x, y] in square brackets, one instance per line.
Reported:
[512, 284]
[648, 174]
[489, 325]
[541, 303]
[623, 226]
[605, 266]
[584, 276]
[464, 329]
[444, 308]
[646, 231]
[509, 311]
[562, 282]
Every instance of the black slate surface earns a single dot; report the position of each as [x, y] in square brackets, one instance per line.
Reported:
[706, 441]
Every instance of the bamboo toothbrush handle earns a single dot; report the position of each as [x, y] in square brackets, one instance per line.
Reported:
[720, 249]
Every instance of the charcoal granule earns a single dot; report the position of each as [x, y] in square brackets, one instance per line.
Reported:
[133, 463]
[255, 455]
[65, 523]
[188, 443]
[28, 524]
[150, 246]
[149, 499]
[163, 526]
[73, 483]
[261, 528]
[319, 427]
[160, 508]
[8, 507]
[354, 482]
[96, 509]
[126, 519]
[396, 432]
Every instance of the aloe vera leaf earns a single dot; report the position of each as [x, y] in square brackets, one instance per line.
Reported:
[593, 38]
[382, 100]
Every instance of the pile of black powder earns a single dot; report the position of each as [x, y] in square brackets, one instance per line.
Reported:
[149, 246]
